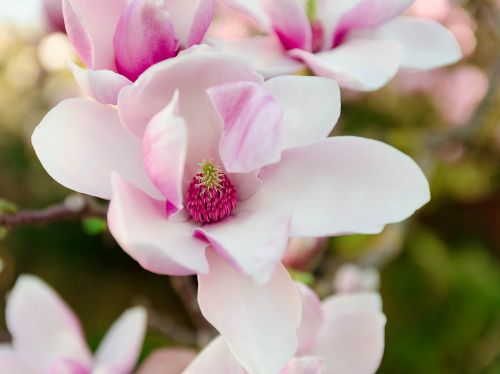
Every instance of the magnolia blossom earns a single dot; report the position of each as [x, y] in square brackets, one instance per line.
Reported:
[342, 335]
[351, 278]
[47, 336]
[119, 39]
[210, 171]
[359, 43]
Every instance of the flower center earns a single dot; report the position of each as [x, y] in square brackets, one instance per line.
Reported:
[211, 196]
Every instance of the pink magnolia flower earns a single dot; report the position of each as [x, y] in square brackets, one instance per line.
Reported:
[47, 336]
[360, 43]
[344, 335]
[351, 278]
[212, 171]
[119, 39]
[54, 14]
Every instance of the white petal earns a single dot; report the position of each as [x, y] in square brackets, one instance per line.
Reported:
[120, 348]
[258, 322]
[43, 327]
[311, 107]
[341, 185]
[81, 142]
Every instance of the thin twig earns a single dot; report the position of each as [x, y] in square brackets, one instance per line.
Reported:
[186, 291]
[74, 207]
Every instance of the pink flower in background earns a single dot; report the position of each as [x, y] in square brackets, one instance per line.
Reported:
[351, 278]
[118, 40]
[212, 170]
[344, 334]
[361, 44]
[301, 252]
[47, 336]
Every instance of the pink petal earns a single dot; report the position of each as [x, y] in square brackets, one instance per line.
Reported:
[120, 348]
[155, 88]
[10, 362]
[90, 25]
[215, 358]
[102, 85]
[306, 365]
[352, 340]
[311, 107]
[53, 12]
[139, 224]
[252, 122]
[144, 36]
[290, 23]
[167, 361]
[252, 242]
[312, 318]
[165, 146]
[43, 328]
[191, 19]
[426, 43]
[341, 185]
[368, 13]
[265, 54]
[266, 316]
[254, 10]
[359, 64]
[80, 142]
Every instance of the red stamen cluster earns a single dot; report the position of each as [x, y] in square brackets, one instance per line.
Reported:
[212, 203]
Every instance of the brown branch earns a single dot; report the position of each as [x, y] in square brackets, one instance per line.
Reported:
[186, 291]
[74, 207]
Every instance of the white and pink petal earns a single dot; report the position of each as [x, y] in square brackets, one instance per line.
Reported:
[267, 316]
[81, 142]
[341, 185]
[140, 225]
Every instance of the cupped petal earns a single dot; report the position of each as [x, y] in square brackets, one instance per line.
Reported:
[144, 36]
[258, 322]
[367, 13]
[265, 54]
[165, 146]
[306, 365]
[352, 339]
[253, 9]
[155, 88]
[43, 328]
[253, 243]
[311, 107]
[360, 64]
[215, 358]
[191, 19]
[10, 362]
[426, 43]
[81, 142]
[168, 361]
[139, 224]
[102, 85]
[290, 23]
[90, 25]
[120, 348]
[341, 185]
[313, 318]
[252, 122]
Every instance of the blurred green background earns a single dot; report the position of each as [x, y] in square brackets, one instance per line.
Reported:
[440, 270]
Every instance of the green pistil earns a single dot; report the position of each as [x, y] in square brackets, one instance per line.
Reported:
[210, 175]
[311, 10]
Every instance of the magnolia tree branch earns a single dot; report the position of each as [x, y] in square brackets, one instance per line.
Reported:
[186, 291]
[74, 207]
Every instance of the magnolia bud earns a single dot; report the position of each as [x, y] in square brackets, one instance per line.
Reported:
[144, 36]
